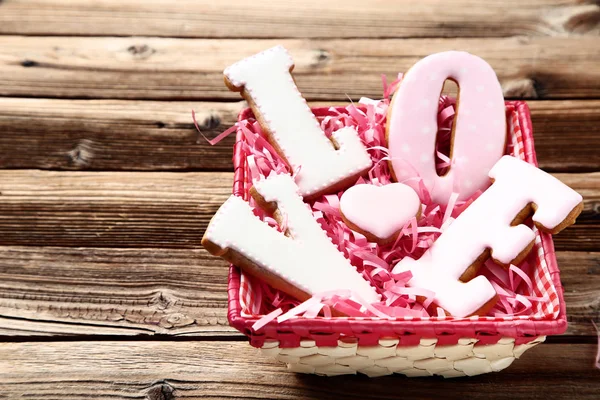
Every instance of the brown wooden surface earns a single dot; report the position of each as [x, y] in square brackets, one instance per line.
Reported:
[314, 18]
[106, 187]
[165, 209]
[164, 370]
[149, 135]
[72, 291]
[326, 69]
[92, 291]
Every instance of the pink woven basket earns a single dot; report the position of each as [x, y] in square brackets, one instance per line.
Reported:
[478, 332]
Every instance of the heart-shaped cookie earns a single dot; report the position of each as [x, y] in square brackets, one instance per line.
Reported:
[379, 212]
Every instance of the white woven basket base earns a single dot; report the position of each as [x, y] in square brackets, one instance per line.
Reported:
[465, 358]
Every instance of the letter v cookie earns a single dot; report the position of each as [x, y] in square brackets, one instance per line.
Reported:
[302, 262]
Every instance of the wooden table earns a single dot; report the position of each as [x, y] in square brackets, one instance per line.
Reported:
[106, 187]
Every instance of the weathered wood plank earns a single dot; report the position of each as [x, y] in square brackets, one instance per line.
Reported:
[75, 291]
[149, 135]
[580, 276]
[92, 291]
[585, 234]
[98, 208]
[336, 18]
[565, 134]
[159, 209]
[160, 370]
[114, 134]
[162, 68]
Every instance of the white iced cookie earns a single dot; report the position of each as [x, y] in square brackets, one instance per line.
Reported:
[323, 165]
[491, 227]
[301, 262]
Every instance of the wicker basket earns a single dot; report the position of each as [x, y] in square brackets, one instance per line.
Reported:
[432, 346]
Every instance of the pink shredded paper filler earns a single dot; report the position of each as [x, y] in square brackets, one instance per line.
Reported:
[375, 262]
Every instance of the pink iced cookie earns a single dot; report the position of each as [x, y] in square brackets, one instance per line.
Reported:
[379, 212]
[491, 227]
[479, 130]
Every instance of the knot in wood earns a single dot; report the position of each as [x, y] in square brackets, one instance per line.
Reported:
[176, 320]
[141, 51]
[161, 301]
[28, 63]
[521, 88]
[83, 153]
[584, 19]
[211, 122]
[321, 58]
[161, 391]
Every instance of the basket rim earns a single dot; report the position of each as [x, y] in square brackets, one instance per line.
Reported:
[328, 331]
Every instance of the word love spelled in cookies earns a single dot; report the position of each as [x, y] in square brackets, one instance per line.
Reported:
[301, 261]
[299, 257]
[491, 227]
[478, 133]
[321, 165]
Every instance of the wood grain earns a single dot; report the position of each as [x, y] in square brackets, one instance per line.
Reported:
[167, 370]
[88, 257]
[114, 135]
[335, 18]
[106, 209]
[87, 291]
[565, 134]
[326, 69]
[160, 209]
[92, 291]
[148, 135]
[580, 276]
[152, 209]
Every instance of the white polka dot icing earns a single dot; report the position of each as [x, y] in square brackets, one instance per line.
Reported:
[289, 123]
[483, 125]
[487, 224]
[306, 259]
